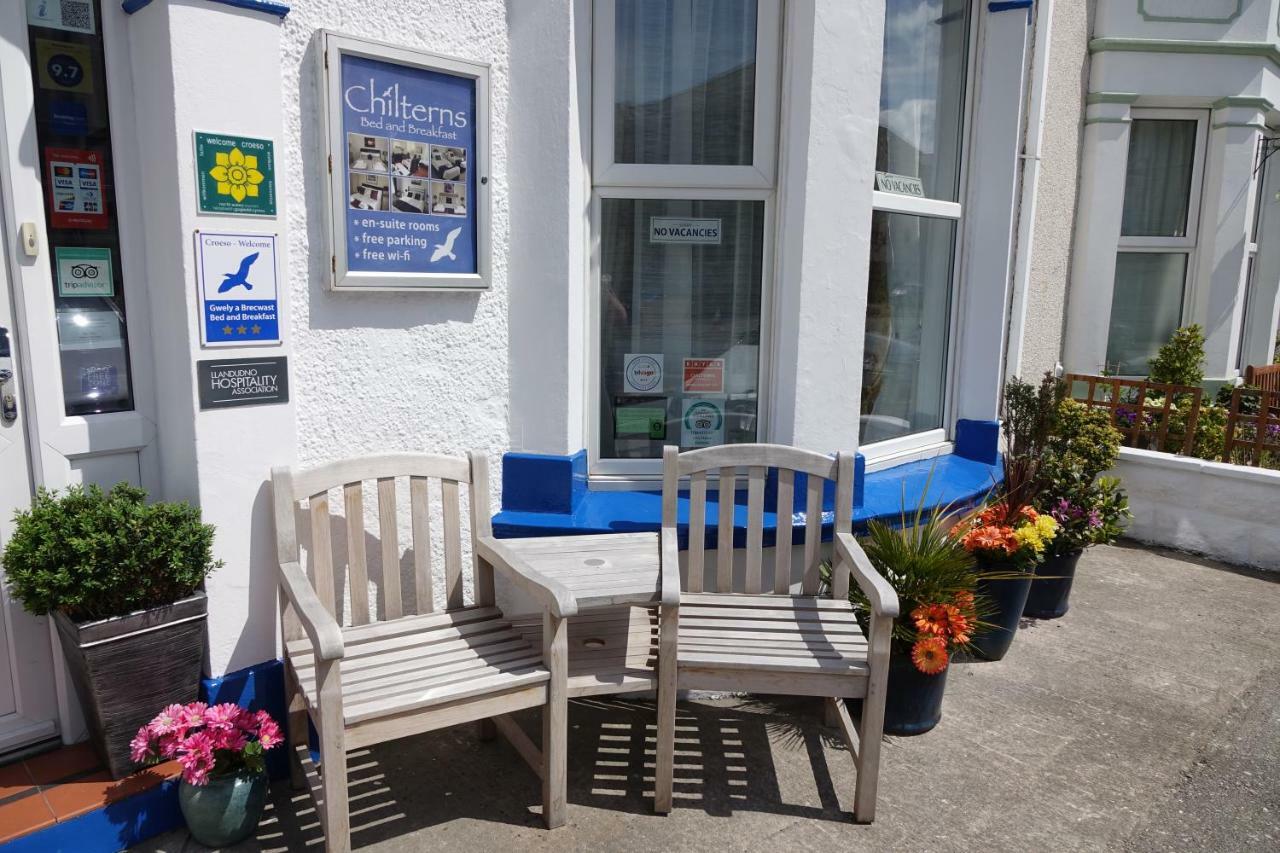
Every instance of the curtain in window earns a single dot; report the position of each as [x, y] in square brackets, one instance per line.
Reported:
[1157, 191]
[684, 81]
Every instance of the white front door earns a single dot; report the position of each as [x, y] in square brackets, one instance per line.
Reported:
[73, 297]
[28, 698]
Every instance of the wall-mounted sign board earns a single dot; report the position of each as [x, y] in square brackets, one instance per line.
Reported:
[237, 287]
[407, 161]
[229, 382]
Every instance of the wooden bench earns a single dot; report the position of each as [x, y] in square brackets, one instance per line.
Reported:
[389, 671]
[799, 636]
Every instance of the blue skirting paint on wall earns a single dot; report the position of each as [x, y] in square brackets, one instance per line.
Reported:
[259, 687]
[268, 6]
[535, 482]
[959, 479]
[117, 827]
[1007, 5]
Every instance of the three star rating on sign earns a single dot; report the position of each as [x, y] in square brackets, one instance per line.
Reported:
[242, 329]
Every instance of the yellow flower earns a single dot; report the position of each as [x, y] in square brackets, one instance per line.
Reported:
[236, 173]
[1029, 534]
[1047, 526]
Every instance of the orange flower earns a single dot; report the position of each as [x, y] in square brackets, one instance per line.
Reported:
[990, 538]
[929, 654]
[994, 514]
[930, 619]
[964, 599]
[958, 624]
[1029, 514]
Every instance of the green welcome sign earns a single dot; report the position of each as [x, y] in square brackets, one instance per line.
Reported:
[235, 175]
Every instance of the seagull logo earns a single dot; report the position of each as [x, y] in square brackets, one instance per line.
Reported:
[240, 276]
[445, 249]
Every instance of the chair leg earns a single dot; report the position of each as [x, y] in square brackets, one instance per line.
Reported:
[333, 761]
[872, 729]
[486, 730]
[665, 744]
[296, 727]
[555, 723]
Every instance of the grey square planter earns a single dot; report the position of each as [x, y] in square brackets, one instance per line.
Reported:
[129, 667]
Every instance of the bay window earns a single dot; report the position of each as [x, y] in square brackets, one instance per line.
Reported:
[918, 211]
[1157, 235]
[684, 129]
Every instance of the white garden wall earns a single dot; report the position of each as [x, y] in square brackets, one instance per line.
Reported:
[1223, 511]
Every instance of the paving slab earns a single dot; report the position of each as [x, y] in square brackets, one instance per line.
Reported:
[1147, 718]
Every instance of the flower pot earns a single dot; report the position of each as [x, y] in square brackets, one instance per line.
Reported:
[1052, 588]
[1008, 598]
[128, 667]
[226, 810]
[913, 702]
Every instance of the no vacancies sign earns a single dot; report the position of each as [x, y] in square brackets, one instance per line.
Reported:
[663, 229]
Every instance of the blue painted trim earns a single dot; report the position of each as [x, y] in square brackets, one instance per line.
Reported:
[1007, 5]
[271, 7]
[119, 826]
[959, 479]
[258, 687]
[536, 482]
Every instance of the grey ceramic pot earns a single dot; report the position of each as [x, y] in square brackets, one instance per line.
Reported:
[225, 811]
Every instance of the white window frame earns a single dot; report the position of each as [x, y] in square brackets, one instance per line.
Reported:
[756, 182]
[933, 442]
[760, 174]
[1188, 244]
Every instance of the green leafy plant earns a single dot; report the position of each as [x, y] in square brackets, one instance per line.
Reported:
[1181, 360]
[93, 554]
[1028, 418]
[1083, 440]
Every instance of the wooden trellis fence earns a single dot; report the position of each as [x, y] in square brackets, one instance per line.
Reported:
[1253, 429]
[1142, 424]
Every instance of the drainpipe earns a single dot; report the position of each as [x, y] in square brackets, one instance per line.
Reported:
[1032, 143]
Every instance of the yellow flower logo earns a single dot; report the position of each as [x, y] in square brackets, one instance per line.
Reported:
[236, 173]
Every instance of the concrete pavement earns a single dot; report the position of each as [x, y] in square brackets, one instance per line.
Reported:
[1147, 718]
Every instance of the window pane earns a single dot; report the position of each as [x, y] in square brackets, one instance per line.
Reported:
[1146, 308]
[684, 81]
[922, 93]
[680, 307]
[73, 133]
[908, 310]
[1157, 190]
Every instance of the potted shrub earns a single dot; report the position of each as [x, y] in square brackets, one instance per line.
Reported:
[933, 577]
[1007, 541]
[121, 579]
[1090, 509]
[222, 752]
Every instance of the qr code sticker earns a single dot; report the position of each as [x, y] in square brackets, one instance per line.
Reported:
[77, 15]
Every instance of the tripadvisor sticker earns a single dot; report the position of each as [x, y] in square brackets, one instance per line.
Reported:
[84, 272]
[702, 424]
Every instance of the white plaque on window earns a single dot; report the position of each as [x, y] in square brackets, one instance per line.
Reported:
[664, 229]
[888, 182]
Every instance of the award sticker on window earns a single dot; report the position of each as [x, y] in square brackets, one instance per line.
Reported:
[642, 373]
[640, 417]
[704, 375]
[702, 424]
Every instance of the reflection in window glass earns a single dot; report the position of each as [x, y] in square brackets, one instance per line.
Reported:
[908, 308]
[684, 81]
[74, 136]
[679, 294]
[922, 93]
[1146, 308]
[1157, 191]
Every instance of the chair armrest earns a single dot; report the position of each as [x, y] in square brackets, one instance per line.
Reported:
[552, 594]
[669, 568]
[322, 629]
[884, 601]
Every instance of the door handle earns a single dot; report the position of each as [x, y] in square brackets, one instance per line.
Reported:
[8, 388]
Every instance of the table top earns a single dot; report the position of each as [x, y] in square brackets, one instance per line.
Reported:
[600, 570]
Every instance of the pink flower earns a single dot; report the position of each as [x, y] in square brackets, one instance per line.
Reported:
[193, 715]
[167, 721]
[269, 733]
[196, 758]
[140, 746]
[167, 745]
[232, 739]
[223, 716]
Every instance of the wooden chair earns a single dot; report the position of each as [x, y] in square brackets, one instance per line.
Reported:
[399, 672]
[794, 638]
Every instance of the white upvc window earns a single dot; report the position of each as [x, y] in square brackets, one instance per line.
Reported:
[685, 128]
[1158, 234]
[915, 233]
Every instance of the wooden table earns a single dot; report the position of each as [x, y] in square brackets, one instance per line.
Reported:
[614, 579]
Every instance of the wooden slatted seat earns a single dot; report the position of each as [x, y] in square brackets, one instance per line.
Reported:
[611, 650]
[800, 636]
[399, 667]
